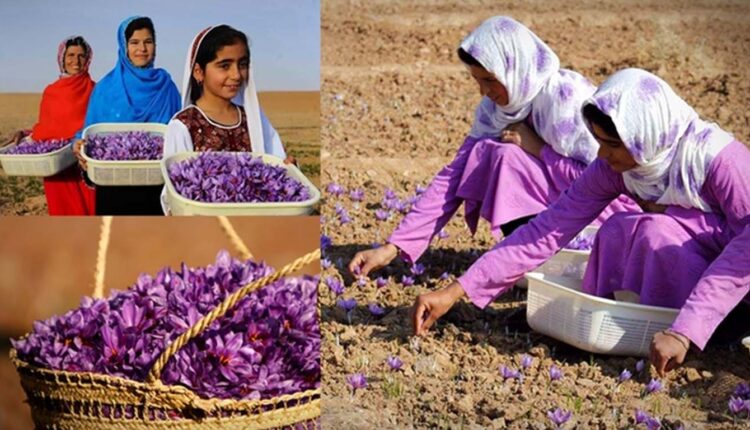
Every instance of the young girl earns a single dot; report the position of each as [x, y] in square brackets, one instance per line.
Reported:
[220, 105]
[61, 115]
[134, 91]
[653, 147]
[527, 144]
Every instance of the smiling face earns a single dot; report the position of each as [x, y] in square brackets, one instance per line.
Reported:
[224, 76]
[612, 150]
[74, 59]
[141, 48]
[489, 85]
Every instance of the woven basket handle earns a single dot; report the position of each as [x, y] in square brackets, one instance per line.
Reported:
[229, 303]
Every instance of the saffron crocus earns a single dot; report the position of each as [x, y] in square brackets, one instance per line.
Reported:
[382, 215]
[736, 405]
[640, 365]
[417, 269]
[559, 416]
[357, 194]
[325, 242]
[357, 381]
[375, 310]
[526, 361]
[335, 189]
[394, 363]
[348, 306]
[38, 147]
[325, 263]
[420, 189]
[444, 276]
[742, 390]
[381, 282]
[335, 285]
[641, 416]
[389, 194]
[509, 373]
[653, 386]
[442, 234]
[344, 219]
[653, 423]
[361, 281]
[408, 281]
[129, 145]
[625, 375]
[555, 373]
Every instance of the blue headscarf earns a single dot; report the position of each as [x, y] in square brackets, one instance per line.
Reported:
[132, 94]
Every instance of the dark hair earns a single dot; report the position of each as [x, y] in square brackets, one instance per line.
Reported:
[467, 59]
[593, 115]
[139, 24]
[77, 41]
[217, 38]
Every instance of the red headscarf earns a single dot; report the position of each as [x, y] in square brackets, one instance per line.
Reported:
[64, 102]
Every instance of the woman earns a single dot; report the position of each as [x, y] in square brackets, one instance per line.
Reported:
[134, 91]
[654, 147]
[61, 116]
[527, 144]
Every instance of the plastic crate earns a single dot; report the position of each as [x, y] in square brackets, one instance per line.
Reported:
[48, 164]
[557, 308]
[123, 172]
[180, 205]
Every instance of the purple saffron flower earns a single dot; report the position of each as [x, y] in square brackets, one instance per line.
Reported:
[742, 390]
[640, 416]
[417, 269]
[325, 263]
[640, 365]
[382, 215]
[736, 405]
[335, 189]
[344, 218]
[559, 416]
[361, 281]
[625, 375]
[375, 310]
[325, 242]
[336, 286]
[444, 276]
[394, 363]
[347, 304]
[555, 374]
[509, 373]
[653, 386]
[356, 195]
[408, 281]
[442, 234]
[653, 423]
[381, 282]
[131, 145]
[28, 147]
[389, 194]
[420, 189]
[357, 381]
[526, 361]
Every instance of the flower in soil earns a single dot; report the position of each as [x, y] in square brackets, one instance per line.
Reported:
[357, 381]
[420, 189]
[347, 305]
[736, 405]
[356, 195]
[444, 276]
[559, 416]
[417, 269]
[335, 189]
[408, 281]
[555, 374]
[325, 263]
[640, 416]
[654, 385]
[509, 373]
[640, 365]
[625, 375]
[325, 242]
[336, 286]
[375, 310]
[526, 361]
[361, 281]
[344, 218]
[442, 234]
[742, 390]
[382, 215]
[394, 363]
[381, 282]
[653, 423]
[389, 194]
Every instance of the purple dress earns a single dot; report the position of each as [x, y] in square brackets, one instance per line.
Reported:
[640, 251]
[499, 182]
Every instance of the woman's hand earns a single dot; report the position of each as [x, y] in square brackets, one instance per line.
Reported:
[77, 146]
[429, 307]
[668, 350]
[17, 137]
[290, 160]
[524, 136]
[365, 262]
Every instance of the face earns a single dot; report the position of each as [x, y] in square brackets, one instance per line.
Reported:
[613, 150]
[224, 76]
[489, 85]
[141, 48]
[74, 59]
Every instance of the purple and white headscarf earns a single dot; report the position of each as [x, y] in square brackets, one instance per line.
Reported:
[671, 144]
[536, 85]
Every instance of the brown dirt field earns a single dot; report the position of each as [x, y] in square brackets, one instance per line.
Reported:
[393, 93]
[294, 114]
[47, 265]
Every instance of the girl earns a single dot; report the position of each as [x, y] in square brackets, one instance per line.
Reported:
[61, 115]
[134, 91]
[527, 144]
[654, 147]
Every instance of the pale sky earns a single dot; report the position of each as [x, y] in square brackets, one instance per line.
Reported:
[285, 37]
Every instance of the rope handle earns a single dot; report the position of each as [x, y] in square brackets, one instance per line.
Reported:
[234, 238]
[101, 257]
[229, 303]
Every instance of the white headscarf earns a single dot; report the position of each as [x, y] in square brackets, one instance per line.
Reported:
[530, 71]
[247, 96]
[671, 144]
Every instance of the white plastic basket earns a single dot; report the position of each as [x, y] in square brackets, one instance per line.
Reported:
[124, 172]
[556, 307]
[48, 164]
[180, 205]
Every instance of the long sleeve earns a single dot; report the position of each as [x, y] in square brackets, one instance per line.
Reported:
[433, 209]
[536, 242]
[727, 280]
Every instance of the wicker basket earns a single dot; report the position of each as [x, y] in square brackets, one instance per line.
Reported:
[48, 164]
[83, 400]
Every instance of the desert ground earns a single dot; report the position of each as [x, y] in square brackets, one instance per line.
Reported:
[396, 104]
[295, 115]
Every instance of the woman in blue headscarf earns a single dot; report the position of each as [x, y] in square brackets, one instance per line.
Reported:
[134, 91]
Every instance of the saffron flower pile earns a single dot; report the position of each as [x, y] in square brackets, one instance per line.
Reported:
[582, 242]
[217, 177]
[29, 147]
[268, 345]
[130, 145]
